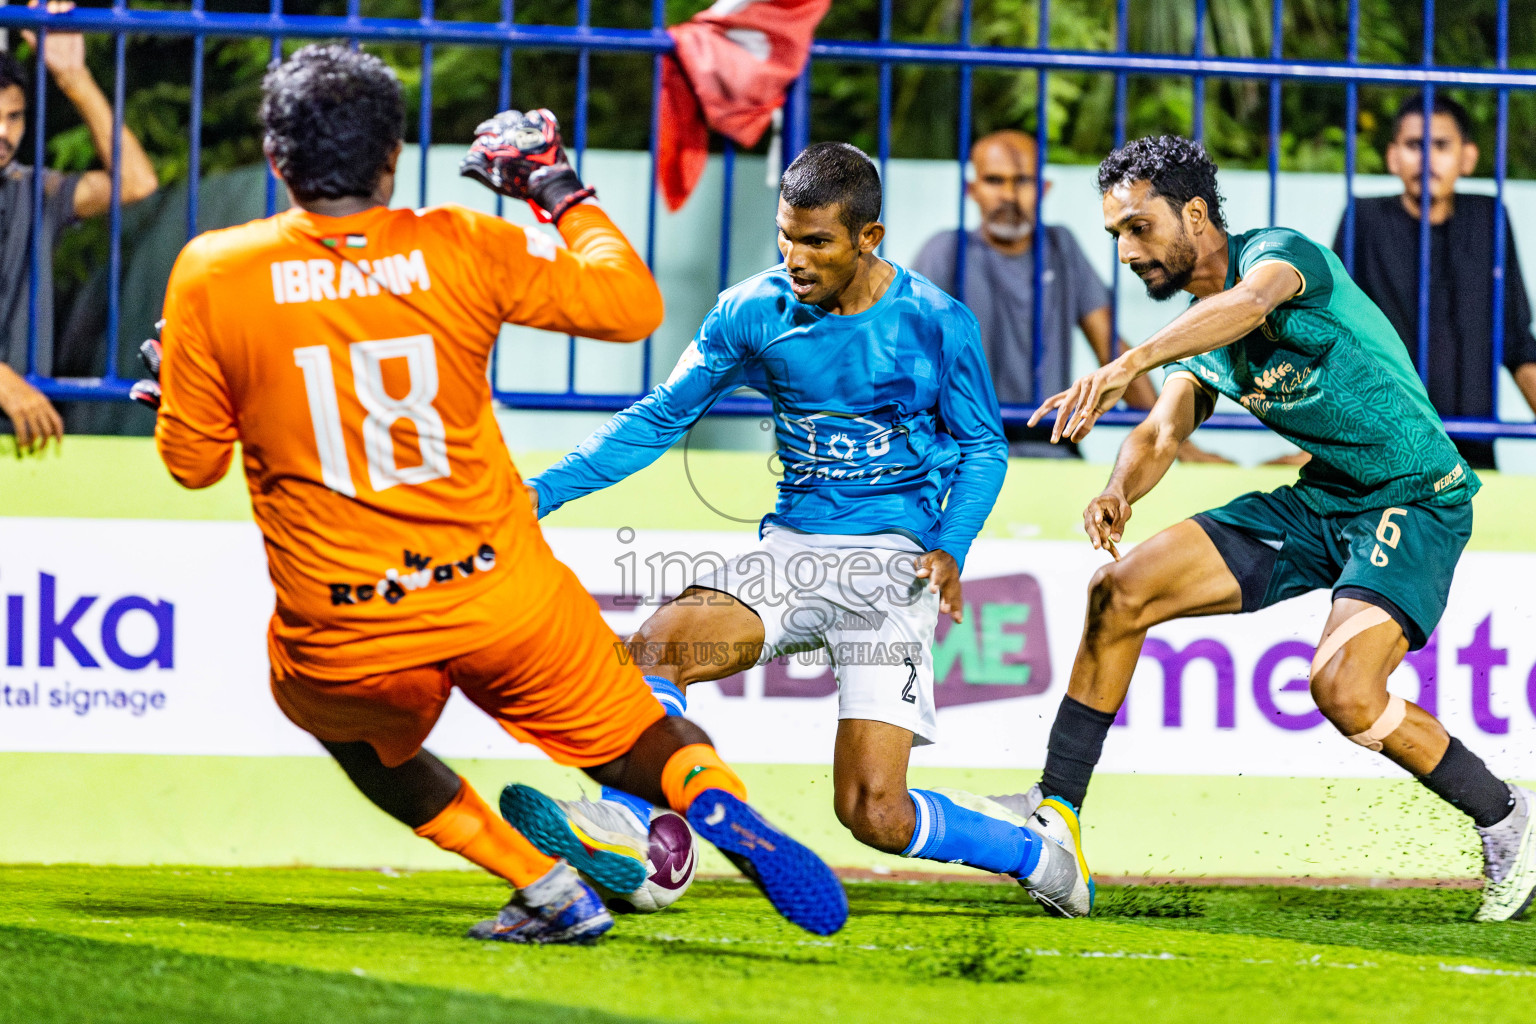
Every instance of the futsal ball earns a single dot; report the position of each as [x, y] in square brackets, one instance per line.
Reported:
[670, 865]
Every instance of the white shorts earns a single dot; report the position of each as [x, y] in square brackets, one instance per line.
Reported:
[856, 597]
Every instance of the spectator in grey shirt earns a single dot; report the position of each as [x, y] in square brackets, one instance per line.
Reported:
[1000, 290]
[66, 198]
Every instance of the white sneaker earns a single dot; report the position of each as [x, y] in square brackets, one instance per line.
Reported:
[991, 806]
[1509, 861]
[602, 839]
[1060, 882]
[1022, 804]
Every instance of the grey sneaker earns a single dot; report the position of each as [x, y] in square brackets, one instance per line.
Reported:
[1060, 882]
[557, 909]
[1509, 861]
[1022, 804]
[991, 806]
[514, 923]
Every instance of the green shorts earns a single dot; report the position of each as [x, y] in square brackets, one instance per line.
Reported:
[1278, 547]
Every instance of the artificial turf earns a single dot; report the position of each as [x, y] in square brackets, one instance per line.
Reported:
[195, 944]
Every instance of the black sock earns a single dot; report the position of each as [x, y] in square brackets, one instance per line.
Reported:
[1077, 740]
[1462, 780]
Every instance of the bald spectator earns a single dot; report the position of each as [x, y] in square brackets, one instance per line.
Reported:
[1000, 289]
[66, 199]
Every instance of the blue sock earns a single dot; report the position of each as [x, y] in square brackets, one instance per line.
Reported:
[947, 832]
[669, 693]
[672, 701]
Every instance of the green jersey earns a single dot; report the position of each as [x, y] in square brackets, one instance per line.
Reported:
[1327, 372]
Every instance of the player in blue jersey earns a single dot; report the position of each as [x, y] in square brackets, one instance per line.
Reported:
[893, 454]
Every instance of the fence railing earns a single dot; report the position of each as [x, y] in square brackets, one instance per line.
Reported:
[583, 38]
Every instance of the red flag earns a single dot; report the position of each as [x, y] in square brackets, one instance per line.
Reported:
[732, 66]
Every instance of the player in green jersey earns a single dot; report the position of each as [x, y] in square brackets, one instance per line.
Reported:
[1379, 514]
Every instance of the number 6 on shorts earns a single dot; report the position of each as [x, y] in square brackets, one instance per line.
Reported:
[1388, 533]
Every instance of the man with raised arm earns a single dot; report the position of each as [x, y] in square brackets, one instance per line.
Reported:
[67, 198]
[344, 345]
[1379, 515]
[893, 454]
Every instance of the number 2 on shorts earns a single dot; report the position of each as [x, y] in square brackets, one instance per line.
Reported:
[1388, 533]
[383, 412]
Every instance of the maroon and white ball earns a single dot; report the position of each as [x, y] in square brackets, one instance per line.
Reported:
[673, 857]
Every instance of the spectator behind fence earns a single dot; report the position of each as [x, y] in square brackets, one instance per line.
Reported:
[66, 198]
[1461, 369]
[1000, 290]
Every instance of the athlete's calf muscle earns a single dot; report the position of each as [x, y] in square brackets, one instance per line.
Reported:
[639, 770]
[869, 781]
[413, 793]
[1350, 688]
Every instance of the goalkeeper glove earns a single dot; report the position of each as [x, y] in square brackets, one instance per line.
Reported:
[148, 391]
[520, 156]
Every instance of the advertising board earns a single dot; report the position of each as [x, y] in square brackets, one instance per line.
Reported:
[107, 651]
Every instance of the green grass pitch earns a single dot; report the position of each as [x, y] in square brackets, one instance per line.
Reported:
[210, 945]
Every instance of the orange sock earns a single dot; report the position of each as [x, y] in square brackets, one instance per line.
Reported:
[693, 769]
[468, 827]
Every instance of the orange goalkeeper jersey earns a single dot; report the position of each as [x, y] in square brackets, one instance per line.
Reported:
[348, 356]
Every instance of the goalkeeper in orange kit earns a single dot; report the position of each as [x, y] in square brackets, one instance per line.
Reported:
[345, 346]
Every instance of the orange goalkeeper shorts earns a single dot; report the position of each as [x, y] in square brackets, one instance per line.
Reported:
[556, 681]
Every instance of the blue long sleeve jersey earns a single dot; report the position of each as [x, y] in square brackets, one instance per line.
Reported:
[879, 416]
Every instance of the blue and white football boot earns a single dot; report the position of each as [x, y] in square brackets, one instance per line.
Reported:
[1060, 881]
[796, 881]
[558, 909]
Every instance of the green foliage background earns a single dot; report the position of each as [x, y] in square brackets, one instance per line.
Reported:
[845, 96]
[845, 99]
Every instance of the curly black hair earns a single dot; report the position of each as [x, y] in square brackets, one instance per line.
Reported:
[834, 172]
[1177, 168]
[333, 116]
[11, 72]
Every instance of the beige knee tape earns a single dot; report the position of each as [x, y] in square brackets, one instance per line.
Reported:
[1391, 718]
[1348, 629]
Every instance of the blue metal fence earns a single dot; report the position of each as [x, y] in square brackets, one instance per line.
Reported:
[583, 38]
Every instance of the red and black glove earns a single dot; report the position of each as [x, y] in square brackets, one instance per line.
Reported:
[148, 391]
[520, 156]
